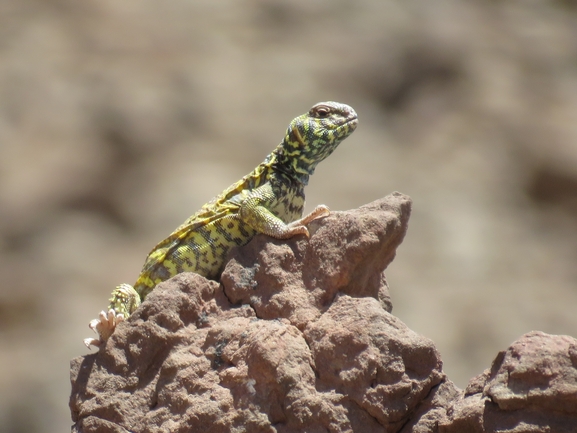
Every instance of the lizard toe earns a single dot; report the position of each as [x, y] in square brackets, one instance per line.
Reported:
[104, 326]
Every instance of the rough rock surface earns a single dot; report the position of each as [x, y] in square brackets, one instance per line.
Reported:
[298, 337]
[531, 387]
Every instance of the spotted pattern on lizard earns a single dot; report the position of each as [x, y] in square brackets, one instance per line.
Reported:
[268, 200]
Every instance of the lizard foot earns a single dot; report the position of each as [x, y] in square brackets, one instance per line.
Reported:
[298, 227]
[320, 211]
[104, 326]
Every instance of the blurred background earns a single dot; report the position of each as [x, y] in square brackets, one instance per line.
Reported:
[120, 118]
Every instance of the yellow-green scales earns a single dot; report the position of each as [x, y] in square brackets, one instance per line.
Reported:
[268, 200]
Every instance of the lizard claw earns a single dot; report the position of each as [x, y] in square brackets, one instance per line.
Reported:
[320, 211]
[92, 342]
[298, 227]
[104, 326]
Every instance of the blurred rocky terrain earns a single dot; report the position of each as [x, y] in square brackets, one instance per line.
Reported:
[118, 119]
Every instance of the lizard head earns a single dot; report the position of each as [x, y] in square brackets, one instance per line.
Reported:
[313, 136]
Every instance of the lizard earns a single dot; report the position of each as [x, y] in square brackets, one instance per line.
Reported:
[268, 200]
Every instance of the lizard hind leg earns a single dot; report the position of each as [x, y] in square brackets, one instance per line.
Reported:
[123, 302]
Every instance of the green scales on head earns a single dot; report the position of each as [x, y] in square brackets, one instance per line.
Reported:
[268, 200]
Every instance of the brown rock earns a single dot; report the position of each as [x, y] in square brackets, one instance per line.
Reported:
[294, 339]
[298, 337]
[432, 410]
[531, 387]
[346, 254]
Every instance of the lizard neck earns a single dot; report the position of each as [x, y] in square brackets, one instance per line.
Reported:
[286, 169]
[291, 159]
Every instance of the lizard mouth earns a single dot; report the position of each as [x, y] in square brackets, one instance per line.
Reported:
[353, 121]
[350, 122]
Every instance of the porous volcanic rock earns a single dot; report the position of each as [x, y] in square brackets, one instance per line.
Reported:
[530, 388]
[297, 337]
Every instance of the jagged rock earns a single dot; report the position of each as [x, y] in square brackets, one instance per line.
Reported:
[297, 337]
[432, 410]
[346, 254]
[530, 388]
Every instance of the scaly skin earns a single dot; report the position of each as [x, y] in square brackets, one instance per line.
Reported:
[268, 200]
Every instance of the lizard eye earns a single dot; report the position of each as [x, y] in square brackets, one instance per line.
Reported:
[321, 111]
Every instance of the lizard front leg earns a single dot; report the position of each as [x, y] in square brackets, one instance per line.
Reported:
[254, 211]
[123, 302]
